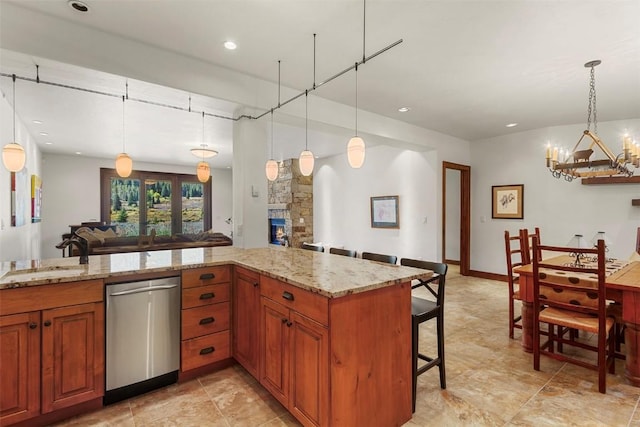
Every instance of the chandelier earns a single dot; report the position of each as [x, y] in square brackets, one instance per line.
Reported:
[578, 163]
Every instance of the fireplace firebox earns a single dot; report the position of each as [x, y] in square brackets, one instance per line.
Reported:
[276, 231]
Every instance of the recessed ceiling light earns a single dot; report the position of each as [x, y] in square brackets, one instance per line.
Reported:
[78, 152]
[44, 133]
[38, 122]
[230, 45]
[511, 125]
[404, 109]
[48, 143]
[78, 6]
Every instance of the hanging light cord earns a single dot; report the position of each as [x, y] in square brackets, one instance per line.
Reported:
[591, 110]
[123, 150]
[364, 29]
[306, 118]
[14, 108]
[356, 99]
[203, 144]
[272, 133]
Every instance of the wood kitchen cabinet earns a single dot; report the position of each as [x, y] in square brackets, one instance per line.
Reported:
[51, 348]
[295, 350]
[246, 317]
[19, 367]
[205, 335]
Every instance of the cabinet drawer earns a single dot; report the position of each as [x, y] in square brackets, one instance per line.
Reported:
[205, 320]
[205, 295]
[205, 276]
[304, 302]
[201, 351]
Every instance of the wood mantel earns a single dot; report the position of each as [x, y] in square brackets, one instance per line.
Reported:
[611, 180]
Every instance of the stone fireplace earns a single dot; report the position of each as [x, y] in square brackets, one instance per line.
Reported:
[291, 200]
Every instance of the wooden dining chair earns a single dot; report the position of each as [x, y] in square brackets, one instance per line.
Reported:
[315, 248]
[343, 252]
[423, 310]
[517, 255]
[574, 297]
[638, 241]
[526, 237]
[391, 259]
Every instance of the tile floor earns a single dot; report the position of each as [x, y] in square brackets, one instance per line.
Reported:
[490, 382]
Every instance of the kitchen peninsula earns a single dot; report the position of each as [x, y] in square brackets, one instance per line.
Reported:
[326, 335]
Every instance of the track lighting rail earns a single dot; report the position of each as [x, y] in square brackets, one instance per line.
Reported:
[315, 86]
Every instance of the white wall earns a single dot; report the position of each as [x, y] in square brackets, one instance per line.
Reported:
[342, 206]
[17, 243]
[71, 194]
[250, 183]
[561, 209]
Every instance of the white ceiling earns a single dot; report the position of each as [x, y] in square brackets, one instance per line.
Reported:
[466, 68]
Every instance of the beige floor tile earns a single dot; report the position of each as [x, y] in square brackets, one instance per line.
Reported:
[118, 414]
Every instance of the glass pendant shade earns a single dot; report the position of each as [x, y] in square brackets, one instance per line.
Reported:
[124, 165]
[600, 235]
[271, 168]
[306, 162]
[356, 152]
[203, 171]
[578, 241]
[13, 157]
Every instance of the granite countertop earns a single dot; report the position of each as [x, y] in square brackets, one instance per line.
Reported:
[326, 274]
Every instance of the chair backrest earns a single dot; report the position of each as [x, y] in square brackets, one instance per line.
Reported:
[517, 254]
[391, 259]
[312, 247]
[526, 239]
[440, 273]
[578, 285]
[344, 252]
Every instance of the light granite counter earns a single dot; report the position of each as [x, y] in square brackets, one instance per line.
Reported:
[326, 274]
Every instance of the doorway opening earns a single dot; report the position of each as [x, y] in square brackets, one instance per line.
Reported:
[456, 215]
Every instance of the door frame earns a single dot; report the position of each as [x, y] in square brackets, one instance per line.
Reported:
[465, 214]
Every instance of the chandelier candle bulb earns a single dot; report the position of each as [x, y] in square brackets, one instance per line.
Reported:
[555, 155]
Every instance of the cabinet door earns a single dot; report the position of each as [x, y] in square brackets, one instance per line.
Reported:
[72, 355]
[246, 315]
[309, 392]
[274, 349]
[19, 367]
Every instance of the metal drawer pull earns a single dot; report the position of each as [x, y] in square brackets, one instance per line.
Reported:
[208, 295]
[287, 295]
[33, 325]
[207, 350]
[207, 320]
[255, 284]
[47, 323]
[207, 276]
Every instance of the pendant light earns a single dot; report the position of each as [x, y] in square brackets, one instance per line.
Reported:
[203, 171]
[124, 164]
[13, 155]
[271, 168]
[306, 157]
[356, 147]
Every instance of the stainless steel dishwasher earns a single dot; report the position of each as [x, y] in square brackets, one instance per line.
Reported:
[142, 336]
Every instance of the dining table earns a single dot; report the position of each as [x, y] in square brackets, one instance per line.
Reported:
[622, 283]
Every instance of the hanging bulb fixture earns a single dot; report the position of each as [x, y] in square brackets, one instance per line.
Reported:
[306, 157]
[356, 147]
[271, 168]
[13, 155]
[124, 164]
[203, 171]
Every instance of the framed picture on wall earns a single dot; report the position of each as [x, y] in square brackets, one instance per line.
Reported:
[507, 201]
[385, 212]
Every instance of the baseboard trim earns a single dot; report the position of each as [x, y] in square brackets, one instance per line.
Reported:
[490, 276]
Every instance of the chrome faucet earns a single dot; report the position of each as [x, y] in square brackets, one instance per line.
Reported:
[79, 242]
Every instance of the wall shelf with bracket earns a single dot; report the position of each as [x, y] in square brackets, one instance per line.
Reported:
[611, 180]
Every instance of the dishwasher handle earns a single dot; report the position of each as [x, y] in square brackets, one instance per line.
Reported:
[144, 289]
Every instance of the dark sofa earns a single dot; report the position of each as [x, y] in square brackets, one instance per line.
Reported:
[111, 245]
